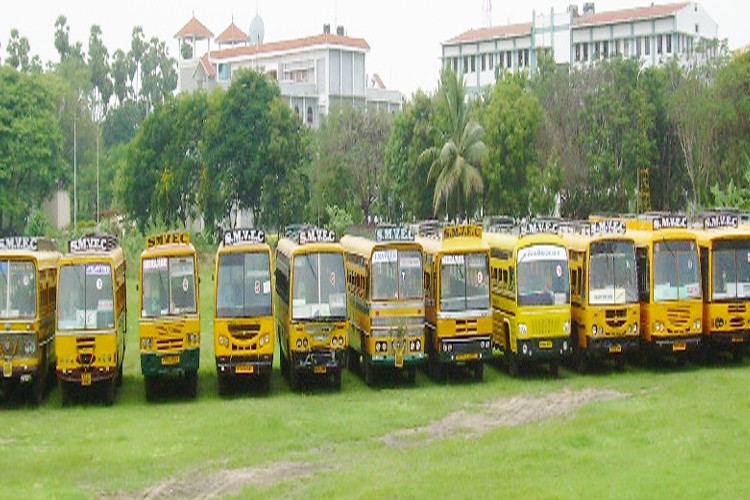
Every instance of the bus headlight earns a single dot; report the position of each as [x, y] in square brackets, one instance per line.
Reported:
[223, 340]
[299, 343]
[192, 338]
[659, 326]
[341, 341]
[304, 343]
[566, 327]
[697, 324]
[334, 341]
[718, 322]
[418, 345]
[522, 329]
[29, 346]
[147, 343]
[268, 338]
[594, 330]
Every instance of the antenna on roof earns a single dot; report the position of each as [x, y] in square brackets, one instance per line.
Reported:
[487, 13]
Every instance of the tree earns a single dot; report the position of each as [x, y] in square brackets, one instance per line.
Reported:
[101, 81]
[30, 147]
[62, 37]
[512, 118]
[19, 54]
[405, 193]
[121, 87]
[137, 50]
[158, 73]
[454, 167]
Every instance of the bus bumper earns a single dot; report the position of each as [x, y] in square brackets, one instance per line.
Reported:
[390, 361]
[674, 345]
[464, 350]
[259, 364]
[23, 372]
[319, 361]
[729, 340]
[543, 349]
[609, 346]
[159, 364]
[87, 376]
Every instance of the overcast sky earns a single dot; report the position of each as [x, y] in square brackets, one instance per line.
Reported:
[404, 35]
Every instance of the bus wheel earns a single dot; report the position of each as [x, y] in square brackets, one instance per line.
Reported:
[478, 371]
[283, 363]
[512, 361]
[681, 359]
[295, 379]
[109, 391]
[437, 371]
[265, 383]
[411, 374]
[367, 370]
[150, 386]
[66, 392]
[337, 380]
[352, 359]
[554, 368]
[191, 384]
[579, 358]
[738, 352]
[620, 362]
[37, 387]
[223, 385]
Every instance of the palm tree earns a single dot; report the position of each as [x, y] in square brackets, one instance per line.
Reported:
[454, 167]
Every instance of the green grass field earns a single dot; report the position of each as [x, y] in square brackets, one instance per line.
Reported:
[667, 432]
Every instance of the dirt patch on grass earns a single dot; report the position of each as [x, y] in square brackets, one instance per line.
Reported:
[507, 412]
[224, 482]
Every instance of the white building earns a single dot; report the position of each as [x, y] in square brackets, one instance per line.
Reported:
[654, 34]
[313, 73]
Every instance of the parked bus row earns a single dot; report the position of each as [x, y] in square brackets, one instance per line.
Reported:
[442, 297]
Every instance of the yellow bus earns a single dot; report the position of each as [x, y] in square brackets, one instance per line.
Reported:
[725, 271]
[669, 285]
[28, 294]
[310, 305]
[243, 313]
[457, 298]
[385, 301]
[604, 293]
[530, 294]
[91, 316]
[169, 326]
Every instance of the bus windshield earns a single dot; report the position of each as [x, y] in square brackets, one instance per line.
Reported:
[543, 278]
[612, 275]
[464, 283]
[168, 286]
[243, 287]
[676, 271]
[17, 289]
[319, 288]
[731, 270]
[396, 275]
[86, 297]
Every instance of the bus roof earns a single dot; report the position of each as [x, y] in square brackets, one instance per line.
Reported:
[648, 237]
[290, 247]
[172, 249]
[43, 259]
[243, 247]
[514, 241]
[460, 244]
[706, 237]
[365, 246]
[114, 256]
[581, 242]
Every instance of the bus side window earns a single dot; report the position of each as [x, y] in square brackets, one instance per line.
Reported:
[511, 281]
[574, 282]
[704, 272]
[641, 258]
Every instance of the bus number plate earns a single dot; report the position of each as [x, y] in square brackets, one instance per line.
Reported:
[86, 378]
[614, 349]
[170, 360]
[469, 356]
[545, 344]
[679, 347]
[7, 369]
[737, 340]
[245, 369]
[319, 369]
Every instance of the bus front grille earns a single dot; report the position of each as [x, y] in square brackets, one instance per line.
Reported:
[545, 326]
[466, 327]
[736, 309]
[678, 316]
[616, 318]
[244, 332]
[737, 322]
[169, 344]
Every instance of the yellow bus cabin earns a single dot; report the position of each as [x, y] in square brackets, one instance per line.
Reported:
[530, 294]
[669, 285]
[385, 301]
[243, 318]
[91, 316]
[310, 305]
[169, 325]
[28, 294]
[457, 298]
[725, 270]
[604, 293]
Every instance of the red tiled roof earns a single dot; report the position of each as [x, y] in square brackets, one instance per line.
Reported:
[232, 35]
[630, 14]
[300, 43]
[508, 30]
[194, 29]
[208, 66]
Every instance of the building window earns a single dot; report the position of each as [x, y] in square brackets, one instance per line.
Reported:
[296, 111]
[466, 64]
[520, 58]
[659, 44]
[492, 61]
[484, 62]
[508, 59]
[526, 57]
[224, 71]
[473, 64]
[455, 64]
[578, 52]
[585, 51]
[669, 44]
[638, 46]
[605, 49]
[647, 46]
[309, 115]
[626, 47]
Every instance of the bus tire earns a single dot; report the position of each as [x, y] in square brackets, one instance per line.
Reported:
[37, 385]
[265, 384]
[478, 371]
[619, 362]
[738, 353]
[283, 363]
[337, 380]
[437, 371]
[66, 392]
[512, 362]
[191, 384]
[352, 359]
[223, 385]
[367, 370]
[554, 368]
[580, 360]
[295, 379]
[411, 374]
[109, 391]
[150, 383]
